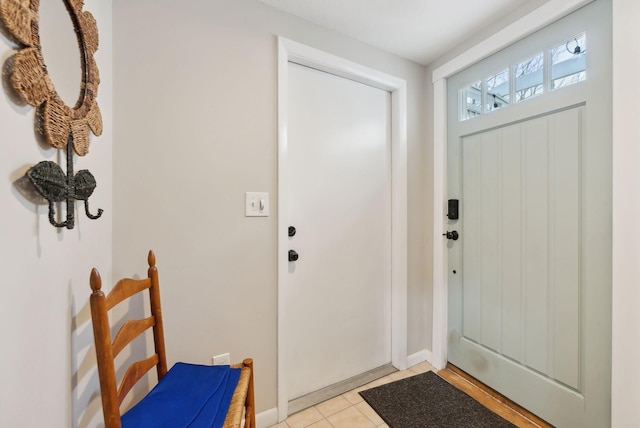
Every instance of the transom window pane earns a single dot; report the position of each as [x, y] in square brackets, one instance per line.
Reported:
[568, 62]
[529, 77]
[472, 101]
[497, 90]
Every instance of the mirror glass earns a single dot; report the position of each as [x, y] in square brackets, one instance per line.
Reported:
[60, 50]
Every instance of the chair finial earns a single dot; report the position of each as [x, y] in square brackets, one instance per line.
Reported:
[151, 259]
[95, 280]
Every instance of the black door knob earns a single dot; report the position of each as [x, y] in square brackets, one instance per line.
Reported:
[293, 256]
[292, 231]
[453, 235]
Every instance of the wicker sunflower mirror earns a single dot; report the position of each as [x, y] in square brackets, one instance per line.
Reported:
[64, 126]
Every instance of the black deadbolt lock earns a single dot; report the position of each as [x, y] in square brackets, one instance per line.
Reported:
[453, 235]
[293, 256]
[292, 231]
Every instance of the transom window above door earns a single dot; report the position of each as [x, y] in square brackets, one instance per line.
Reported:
[542, 72]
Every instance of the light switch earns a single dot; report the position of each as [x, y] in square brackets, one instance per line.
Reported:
[257, 204]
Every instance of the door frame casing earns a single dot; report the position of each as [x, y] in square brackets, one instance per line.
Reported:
[529, 24]
[291, 51]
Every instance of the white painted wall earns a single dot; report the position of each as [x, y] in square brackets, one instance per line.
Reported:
[626, 212]
[196, 128]
[47, 363]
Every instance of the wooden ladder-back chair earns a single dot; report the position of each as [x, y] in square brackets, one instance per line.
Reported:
[188, 395]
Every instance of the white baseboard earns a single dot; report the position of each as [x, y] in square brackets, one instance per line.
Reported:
[267, 418]
[418, 357]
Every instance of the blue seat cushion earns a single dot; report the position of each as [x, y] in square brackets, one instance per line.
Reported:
[190, 395]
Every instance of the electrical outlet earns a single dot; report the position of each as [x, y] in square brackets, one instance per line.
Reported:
[221, 360]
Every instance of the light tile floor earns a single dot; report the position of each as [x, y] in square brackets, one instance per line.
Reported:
[348, 410]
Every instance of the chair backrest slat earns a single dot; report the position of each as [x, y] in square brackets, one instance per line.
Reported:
[124, 289]
[133, 374]
[129, 331]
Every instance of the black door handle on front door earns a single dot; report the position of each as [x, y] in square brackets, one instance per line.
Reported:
[453, 235]
[293, 256]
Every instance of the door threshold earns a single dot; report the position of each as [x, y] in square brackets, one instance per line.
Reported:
[331, 391]
[492, 399]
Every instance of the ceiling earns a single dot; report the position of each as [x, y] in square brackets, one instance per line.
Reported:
[419, 30]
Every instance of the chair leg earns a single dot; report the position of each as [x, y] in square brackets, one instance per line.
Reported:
[250, 405]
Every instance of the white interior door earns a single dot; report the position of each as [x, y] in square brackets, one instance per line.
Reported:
[338, 293]
[530, 275]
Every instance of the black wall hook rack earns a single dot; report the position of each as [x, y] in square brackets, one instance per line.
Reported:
[51, 182]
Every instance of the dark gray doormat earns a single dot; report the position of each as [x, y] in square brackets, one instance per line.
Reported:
[427, 400]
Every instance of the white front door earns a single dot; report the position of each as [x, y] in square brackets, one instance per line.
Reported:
[338, 293]
[530, 275]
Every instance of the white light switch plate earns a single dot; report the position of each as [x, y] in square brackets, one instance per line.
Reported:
[257, 204]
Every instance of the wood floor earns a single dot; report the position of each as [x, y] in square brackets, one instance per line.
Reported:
[491, 399]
